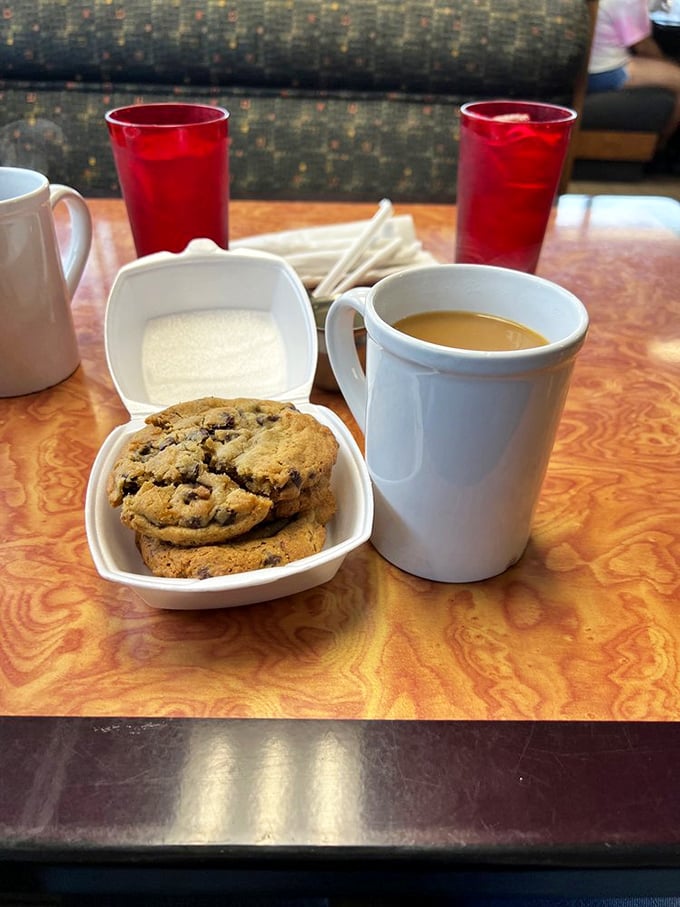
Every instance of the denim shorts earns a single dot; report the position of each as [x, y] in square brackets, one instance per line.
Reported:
[611, 80]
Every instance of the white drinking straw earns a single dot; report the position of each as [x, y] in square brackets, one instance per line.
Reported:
[353, 253]
[378, 258]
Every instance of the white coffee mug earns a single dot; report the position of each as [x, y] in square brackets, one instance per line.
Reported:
[38, 345]
[457, 441]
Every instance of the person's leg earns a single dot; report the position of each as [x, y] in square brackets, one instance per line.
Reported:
[611, 80]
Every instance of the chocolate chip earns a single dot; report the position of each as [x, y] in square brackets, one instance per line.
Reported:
[194, 522]
[189, 472]
[225, 516]
[198, 434]
[196, 494]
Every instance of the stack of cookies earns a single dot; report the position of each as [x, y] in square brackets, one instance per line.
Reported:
[212, 487]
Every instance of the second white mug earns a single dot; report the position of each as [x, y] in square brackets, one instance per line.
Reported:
[38, 345]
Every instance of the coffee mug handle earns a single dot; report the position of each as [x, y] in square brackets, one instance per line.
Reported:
[342, 351]
[75, 256]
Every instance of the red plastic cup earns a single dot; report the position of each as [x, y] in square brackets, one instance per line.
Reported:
[173, 166]
[510, 161]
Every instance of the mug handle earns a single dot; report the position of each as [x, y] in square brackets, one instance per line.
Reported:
[81, 233]
[342, 351]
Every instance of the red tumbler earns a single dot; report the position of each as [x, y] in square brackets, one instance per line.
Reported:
[173, 166]
[510, 161]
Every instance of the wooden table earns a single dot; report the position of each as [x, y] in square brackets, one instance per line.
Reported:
[585, 628]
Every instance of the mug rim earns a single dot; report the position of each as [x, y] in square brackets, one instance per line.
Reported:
[452, 358]
[40, 185]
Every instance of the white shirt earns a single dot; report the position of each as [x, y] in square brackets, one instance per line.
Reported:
[619, 25]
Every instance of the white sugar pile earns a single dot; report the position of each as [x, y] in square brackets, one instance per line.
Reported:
[227, 353]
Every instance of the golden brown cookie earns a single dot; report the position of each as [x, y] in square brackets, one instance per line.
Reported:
[211, 509]
[268, 545]
[309, 498]
[209, 470]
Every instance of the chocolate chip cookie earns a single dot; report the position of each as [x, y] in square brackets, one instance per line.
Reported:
[270, 544]
[209, 470]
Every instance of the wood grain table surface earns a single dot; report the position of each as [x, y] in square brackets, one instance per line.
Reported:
[586, 626]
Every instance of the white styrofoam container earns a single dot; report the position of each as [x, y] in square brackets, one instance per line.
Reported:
[207, 278]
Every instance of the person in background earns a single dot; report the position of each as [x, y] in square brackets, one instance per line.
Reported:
[625, 55]
[661, 6]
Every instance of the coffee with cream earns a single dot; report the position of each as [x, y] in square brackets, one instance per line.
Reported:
[470, 331]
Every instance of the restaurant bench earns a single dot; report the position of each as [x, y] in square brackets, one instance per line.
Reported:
[343, 100]
[618, 131]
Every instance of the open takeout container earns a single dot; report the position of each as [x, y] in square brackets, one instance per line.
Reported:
[166, 289]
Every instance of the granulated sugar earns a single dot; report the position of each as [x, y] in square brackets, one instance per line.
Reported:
[227, 353]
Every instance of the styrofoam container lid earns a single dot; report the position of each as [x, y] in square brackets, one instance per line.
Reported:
[181, 326]
[174, 325]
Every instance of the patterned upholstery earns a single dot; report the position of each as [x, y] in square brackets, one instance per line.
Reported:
[337, 99]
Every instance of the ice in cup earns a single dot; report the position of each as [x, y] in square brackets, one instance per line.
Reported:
[172, 162]
[511, 157]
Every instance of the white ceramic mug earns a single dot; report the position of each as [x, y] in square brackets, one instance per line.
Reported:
[457, 441]
[38, 345]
